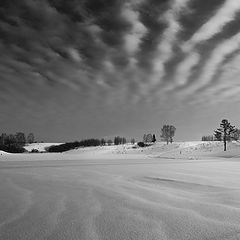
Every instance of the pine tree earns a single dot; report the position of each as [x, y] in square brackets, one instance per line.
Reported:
[225, 132]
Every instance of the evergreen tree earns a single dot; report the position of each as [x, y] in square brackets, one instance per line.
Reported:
[225, 132]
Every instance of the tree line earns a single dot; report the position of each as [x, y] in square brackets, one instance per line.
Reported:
[219, 137]
[14, 143]
[92, 142]
[167, 134]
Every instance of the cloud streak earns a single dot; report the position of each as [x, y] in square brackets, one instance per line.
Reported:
[184, 69]
[225, 14]
[217, 57]
[229, 79]
[137, 30]
[164, 51]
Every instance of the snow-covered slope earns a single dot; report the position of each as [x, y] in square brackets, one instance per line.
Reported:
[120, 192]
[39, 146]
[3, 153]
[189, 150]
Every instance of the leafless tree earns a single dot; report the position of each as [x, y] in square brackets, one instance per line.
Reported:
[30, 138]
[168, 132]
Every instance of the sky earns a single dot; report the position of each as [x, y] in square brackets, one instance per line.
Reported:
[99, 68]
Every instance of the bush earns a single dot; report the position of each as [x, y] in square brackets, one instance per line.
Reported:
[141, 144]
[72, 145]
[34, 151]
[62, 147]
[12, 149]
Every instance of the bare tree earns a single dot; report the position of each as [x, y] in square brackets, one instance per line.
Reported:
[208, 138]
[149, 138]
[103, 142]
[145, 138]
[3, 138]
[119, 140]
[20, 137]
[30, 138]
[168, 132]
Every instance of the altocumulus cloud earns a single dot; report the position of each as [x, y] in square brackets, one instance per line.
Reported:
[118, 51]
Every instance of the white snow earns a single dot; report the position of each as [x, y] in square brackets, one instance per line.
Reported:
[3, 153]
[39, 146]
[180, 191]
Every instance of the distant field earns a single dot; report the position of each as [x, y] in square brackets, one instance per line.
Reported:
[183, 191]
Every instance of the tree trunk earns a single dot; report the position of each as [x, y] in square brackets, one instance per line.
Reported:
[225, 140]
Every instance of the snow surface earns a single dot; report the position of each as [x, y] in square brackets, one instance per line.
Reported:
[39, 146]
[183, 191]
[3, 153]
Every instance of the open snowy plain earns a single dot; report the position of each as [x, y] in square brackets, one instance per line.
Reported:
[183, 191]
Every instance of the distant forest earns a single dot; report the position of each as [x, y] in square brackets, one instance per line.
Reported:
[14, 143]
[86, 143]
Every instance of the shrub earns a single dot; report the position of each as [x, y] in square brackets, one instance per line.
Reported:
[141, 144]
[12, 149]
[72, 145]
[34, 151]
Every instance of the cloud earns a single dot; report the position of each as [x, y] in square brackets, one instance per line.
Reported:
[74, 54]
[227, 82]
[137, 30]
[164, 51]
[184, 69]
[217, 57]
[208, 89]
[225, 14]
[122, 46]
